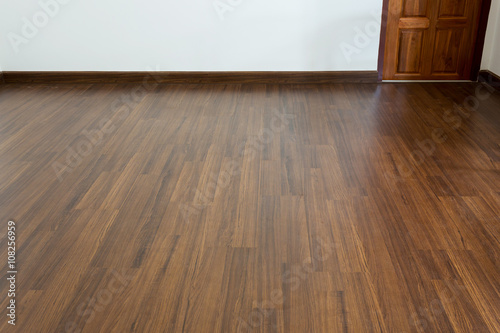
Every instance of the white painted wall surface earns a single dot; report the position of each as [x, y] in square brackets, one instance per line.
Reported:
[173, 35]
[491, 55]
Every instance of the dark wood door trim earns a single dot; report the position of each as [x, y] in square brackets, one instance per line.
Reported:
[478, 49]
[383, 33]
[481, 35]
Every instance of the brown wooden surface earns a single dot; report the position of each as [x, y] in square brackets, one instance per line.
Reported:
[481, 38]
[328, 225]
[490, 78]
[383, 39]
[427, 40]
[194, 77]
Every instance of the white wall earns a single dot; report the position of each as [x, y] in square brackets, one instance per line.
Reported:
[491, 56]
[175, 35]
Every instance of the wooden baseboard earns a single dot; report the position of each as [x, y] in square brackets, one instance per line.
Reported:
[192, 77]
[490, 79]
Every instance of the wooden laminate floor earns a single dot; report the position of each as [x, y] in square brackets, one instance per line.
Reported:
[266, 208]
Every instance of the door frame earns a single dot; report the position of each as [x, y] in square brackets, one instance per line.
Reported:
[478, 48]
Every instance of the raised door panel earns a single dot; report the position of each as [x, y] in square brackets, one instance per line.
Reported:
[447, 51]
[414, 8]
[410, 51]
[452, 8]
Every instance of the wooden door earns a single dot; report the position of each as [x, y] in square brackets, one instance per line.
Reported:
[430, 39]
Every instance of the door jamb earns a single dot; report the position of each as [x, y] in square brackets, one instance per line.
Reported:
[480, 39]
[383, 34]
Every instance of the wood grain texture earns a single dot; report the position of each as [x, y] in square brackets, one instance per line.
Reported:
[414, 23]
[427, 40]
[252, 208]
[194, 77]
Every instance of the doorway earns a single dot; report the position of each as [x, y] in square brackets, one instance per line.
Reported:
[432, 39]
